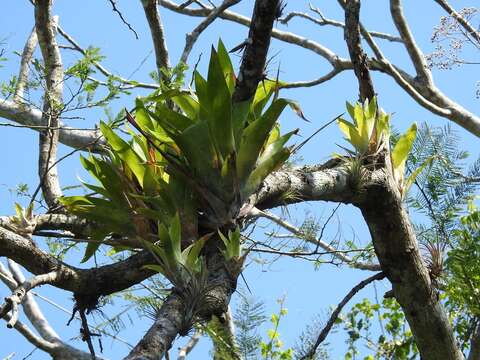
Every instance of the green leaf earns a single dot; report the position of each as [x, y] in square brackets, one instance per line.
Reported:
[142, 116]
[220, 115]
[188, 104]
[401, 150]
[254, 138]
[276, 146]
[226, 65]
[170, 120]
[352, 135]
[411, 179]
[175, 236]
[263, 169]
[124, 151]
[91, 249]
[191, 254]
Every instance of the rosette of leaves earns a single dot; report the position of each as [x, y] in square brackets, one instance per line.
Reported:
[370, 130]
[223, 149]
[194, 159]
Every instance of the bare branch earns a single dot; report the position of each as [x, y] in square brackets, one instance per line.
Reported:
[288, 37]
[192, 36]
[157, 32]
[100, 67]
[297, 84]
[27, 54]
[45, 26]
[323, 21]
[30, 336]
[31, 308]
[323, 334]
[185, 350]
[317, 242]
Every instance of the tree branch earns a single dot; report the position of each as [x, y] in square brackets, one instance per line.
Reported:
[89, 139]
[397, 250]
[27, 54]
[323, 21]
[331, 321]
[427, 96]
[192, 36]
[158, 36]
[45, 26]
[358, 57]
[418, 59]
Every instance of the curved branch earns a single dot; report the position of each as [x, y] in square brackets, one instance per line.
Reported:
[192, 36]
[323, 21]
[323, 334]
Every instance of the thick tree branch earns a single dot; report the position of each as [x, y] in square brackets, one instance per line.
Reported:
[158, 36]
[180, 310]
[358, 57]
[474, 353]
[90, 283]
[45, 26]
[399, 256]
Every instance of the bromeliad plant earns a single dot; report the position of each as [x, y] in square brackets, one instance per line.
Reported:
[370, 132]
[188, 169]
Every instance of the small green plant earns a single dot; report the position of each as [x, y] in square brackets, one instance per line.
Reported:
[273, 349]
[369, 133]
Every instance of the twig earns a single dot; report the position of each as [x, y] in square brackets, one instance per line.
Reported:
[115, 9]
[318, 242]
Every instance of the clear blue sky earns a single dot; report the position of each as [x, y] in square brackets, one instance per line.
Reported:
[307, 291]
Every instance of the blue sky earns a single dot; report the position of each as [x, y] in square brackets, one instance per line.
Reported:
[307, 291]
